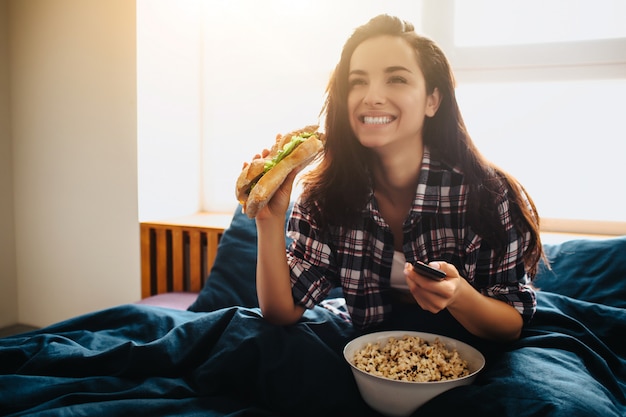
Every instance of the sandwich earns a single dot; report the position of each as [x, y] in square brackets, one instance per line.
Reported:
[262, 177]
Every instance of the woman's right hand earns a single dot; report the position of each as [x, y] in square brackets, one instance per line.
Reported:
[273, 276]
[279, 203]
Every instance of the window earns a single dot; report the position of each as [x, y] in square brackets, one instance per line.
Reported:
[561, 139]
[517, 22]
[217, 79]
[541, 85]
[266, 66]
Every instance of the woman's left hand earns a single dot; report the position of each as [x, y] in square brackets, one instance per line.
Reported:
[482, 316]
[432, 295]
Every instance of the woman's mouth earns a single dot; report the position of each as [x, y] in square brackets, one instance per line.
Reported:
[377, 120]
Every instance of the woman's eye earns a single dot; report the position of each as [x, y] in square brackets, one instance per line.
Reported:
[356, 81]
[397, 80]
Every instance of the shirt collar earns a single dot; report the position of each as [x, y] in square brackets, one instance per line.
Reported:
[427, 196]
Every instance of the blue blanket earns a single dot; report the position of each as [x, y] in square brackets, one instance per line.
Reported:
[222, 359]
[143, 360]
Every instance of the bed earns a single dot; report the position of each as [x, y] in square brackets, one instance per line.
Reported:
[214, 355]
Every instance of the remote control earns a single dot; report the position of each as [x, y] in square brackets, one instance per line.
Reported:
[428, 271]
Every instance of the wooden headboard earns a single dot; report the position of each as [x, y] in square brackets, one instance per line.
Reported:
[177, 254]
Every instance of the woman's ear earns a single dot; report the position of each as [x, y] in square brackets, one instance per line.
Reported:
[432, 102]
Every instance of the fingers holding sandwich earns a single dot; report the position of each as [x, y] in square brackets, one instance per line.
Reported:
[257, 156]
[278, 204]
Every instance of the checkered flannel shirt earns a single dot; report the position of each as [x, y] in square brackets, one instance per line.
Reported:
[359, 259]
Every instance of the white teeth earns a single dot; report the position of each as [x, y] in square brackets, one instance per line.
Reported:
[380, 120]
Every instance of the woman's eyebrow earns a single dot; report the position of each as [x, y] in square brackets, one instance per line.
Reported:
[357, 72]
[388, 70]
[396, 68]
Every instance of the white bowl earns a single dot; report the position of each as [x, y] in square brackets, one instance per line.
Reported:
[402, 398]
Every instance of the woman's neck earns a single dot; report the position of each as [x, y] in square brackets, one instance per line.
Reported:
[396, 174]
[395, 181]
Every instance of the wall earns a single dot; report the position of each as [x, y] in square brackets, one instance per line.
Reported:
[73, 120]
[169, 125]
[8, 275]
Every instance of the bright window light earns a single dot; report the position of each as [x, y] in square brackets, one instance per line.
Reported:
[266, 71]
[563, 140]
[218, 80]
[497, 22]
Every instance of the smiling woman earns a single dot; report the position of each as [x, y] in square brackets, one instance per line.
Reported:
[384, 71]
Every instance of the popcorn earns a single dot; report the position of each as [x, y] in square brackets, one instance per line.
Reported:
[411, 358]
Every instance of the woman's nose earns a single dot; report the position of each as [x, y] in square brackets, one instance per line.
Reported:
[374, 95]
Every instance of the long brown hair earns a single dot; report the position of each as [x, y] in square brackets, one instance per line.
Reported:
[340, 184]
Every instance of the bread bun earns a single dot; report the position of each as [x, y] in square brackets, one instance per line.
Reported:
[259, 180]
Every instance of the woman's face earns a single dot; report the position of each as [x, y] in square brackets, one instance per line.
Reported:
[387, 98]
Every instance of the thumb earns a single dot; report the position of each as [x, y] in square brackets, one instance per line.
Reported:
[287, 184]
[446, 267]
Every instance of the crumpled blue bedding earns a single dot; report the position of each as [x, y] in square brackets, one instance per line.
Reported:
[222, 358]
[150, 361]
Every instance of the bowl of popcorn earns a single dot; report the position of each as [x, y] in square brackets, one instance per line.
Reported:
[398, 371]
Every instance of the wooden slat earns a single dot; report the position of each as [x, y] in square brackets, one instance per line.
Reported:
[161, 254]
[146, 271]
[213, 240]
[195, 260]
[178, 260]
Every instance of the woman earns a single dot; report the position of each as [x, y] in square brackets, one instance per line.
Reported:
[400, 182]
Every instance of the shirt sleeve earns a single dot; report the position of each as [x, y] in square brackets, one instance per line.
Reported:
[506, 280]
[309, 258]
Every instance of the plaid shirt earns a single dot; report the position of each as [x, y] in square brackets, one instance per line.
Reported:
[359, 259]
